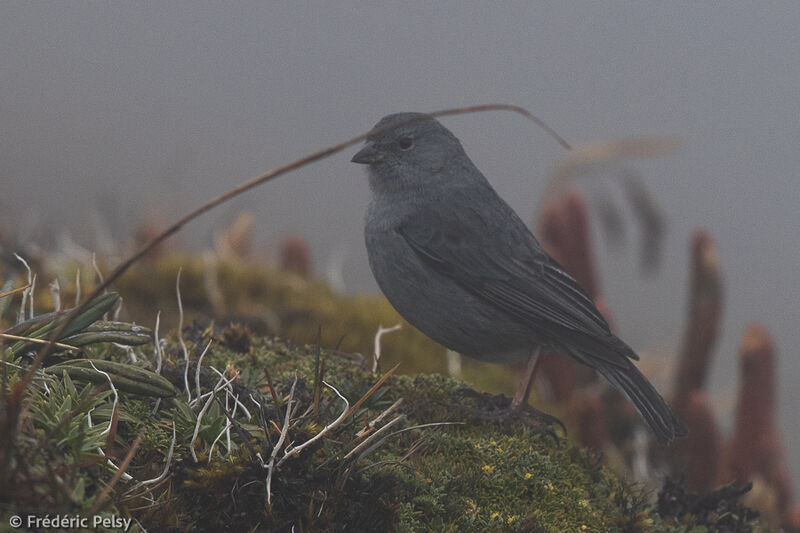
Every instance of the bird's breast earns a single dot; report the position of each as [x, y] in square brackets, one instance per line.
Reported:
[436, 304]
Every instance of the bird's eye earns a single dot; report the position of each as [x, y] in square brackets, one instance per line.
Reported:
[405, 143]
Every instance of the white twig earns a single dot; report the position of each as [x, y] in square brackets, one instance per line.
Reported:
[125, 475]
[227, 381]
[240, 404]
[180, 337]
[284, 431]
[157, 344]
[295, 451]
[197, 374]
[374, 436]
[158, 356]
[27, 292]
[129, 350]
[226, 430]
[55, 291]
[77, 287]
[380, 417]
[377, 354]
[96, 268]
[31, 313]
[236, 398]
[118, 308]
[116, 397]
[221, 384]
[228, 422]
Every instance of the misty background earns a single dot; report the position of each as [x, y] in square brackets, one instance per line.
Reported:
[113, 113]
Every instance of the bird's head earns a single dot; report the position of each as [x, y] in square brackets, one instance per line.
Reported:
[408, 150]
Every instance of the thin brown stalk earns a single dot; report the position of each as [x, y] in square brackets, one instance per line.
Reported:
[318, 388]
[37, 341]
[14, 291]
[370, 391]
[272, 392]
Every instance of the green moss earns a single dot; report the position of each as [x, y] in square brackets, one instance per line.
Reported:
[466, 476]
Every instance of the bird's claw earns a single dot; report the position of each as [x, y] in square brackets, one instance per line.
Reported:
[502, 410]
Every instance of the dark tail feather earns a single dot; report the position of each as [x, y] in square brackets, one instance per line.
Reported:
[655, 411]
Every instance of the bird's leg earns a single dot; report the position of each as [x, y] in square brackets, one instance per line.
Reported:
[519, 408]
[526, 382]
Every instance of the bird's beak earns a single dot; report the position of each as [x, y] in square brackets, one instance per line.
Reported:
[367, 155]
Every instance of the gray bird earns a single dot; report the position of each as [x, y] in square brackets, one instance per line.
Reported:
[459, 264]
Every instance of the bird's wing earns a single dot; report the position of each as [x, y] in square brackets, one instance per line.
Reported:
[512, 273]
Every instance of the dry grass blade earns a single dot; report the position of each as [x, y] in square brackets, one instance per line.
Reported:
[504, 107]
[294, 451]
[37, 341]
[370, 391]
[369, 440]
[281, 439]
[272, 392]
[389, 410]
[14, 291]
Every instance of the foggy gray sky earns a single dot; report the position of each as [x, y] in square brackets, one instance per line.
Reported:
[115, 112]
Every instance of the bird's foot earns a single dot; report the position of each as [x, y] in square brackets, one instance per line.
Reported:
[501, 409]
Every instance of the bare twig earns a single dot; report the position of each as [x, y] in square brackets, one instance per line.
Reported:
[180, 337]
[389, 410]
[37, 341]
[77, 288]
[272, 392]
[14, 291]
[295, 451]
[97, 268]
[116, 396]
[371, 390]
[278, 445]
[374, 436]
[197, 373]
[109, 462]
[235, 398]
[55, 292]
[27, 292]
[377, 353]
[157, 342]
[221, 384]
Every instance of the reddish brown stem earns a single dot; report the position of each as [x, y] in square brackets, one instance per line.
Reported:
[705, 309]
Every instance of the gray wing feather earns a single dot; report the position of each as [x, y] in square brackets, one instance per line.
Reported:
[515, 275]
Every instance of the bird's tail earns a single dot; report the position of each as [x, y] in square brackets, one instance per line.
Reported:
[653, 408]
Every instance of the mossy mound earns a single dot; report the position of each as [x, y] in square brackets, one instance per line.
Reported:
[423, 464]
[435, 470]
